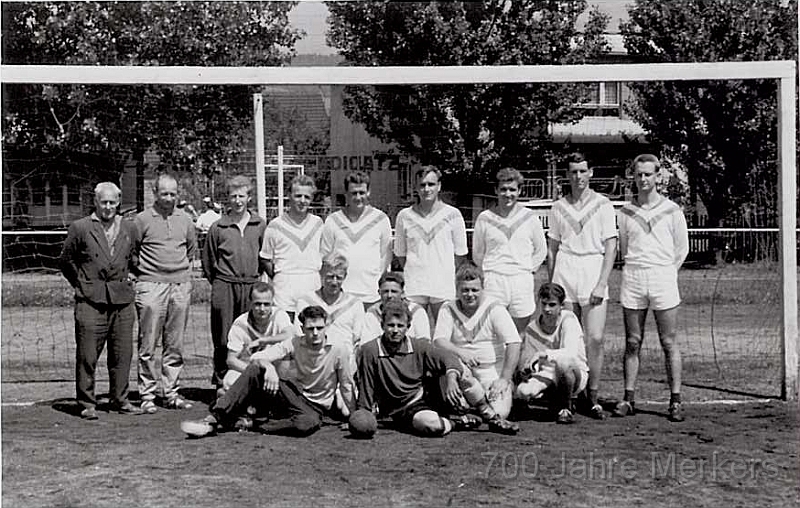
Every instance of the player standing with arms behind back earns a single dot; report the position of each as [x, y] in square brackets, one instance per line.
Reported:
[509, 245]
[583, 245]
[654, 242]
[430, 240]
[363, 234]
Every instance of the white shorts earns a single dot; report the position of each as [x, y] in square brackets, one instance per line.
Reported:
[515, 292]
[425, 300]
[578, 275]
[655, 288]
[288, 288]
[545, 373]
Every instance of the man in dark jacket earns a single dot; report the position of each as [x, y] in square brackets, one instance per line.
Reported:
[95, 259]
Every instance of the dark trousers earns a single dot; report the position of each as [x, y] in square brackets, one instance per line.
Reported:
[305, 416]
[229, 300]
[96, 325]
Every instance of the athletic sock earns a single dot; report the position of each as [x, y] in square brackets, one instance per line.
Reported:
[628, 397]
[674, 398]
[593, 396]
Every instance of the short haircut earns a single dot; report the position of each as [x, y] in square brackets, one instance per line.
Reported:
[424, 170]
[552, 290]
[239, 181]
[468, 271]
[646, 157]
[395, 307]
[166, 175]
[312, 312]
[334, 261]
[107, 186]
[396, 277]
[355, 178]
[303, 181]
[576, 158]
[262, 287]
[509, 175]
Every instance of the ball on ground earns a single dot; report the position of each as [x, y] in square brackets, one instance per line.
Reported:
[362, 424]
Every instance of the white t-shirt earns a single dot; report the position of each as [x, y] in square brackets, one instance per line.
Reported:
[653, 236]
[486, 333]
[366, 243]
[419, 328]
[509, 245]
[430, 245]
[205, 220]
[293, 248]
[583, 231]
[243, 333]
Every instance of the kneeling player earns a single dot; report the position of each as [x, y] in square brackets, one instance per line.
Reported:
[400, 377]
[321, 367]
[553, 354]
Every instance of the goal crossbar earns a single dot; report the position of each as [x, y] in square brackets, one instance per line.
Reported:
[783, 71]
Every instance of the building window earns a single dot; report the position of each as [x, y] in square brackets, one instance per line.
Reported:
[604, 99]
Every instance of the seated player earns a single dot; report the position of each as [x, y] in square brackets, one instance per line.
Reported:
[391, 285]
[322, 367]
[481, 333]
[345, 312]
[400, 378]
[553, 356]
[252, 331]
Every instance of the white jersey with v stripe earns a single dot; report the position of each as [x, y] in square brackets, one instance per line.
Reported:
[486, 333]
[366, 243]
[510, 245]
[566, 341]
[653, 236]
[583, 232]
[419, 328]
[345, 317]
[430, 245]
[293, 248]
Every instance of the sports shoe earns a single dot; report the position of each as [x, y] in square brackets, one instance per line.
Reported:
[126, 408]
[89, 413]
[178, 403]
[623, 408]
[244, 423]
[465, 421]
[200, 428]
[148, 407]
[565, 416]
[676, 412]
[596, 412]
[502, 426]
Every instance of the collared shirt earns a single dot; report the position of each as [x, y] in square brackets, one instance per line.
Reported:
[393, 380]
[230, 254]
[166, 246]
[111, 232]
[318, 372]
[509, 245]
[583, 231]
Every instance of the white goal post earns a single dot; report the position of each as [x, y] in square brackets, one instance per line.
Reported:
[784, 71]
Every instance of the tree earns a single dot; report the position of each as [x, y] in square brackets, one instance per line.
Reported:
[723, 132]
[470, 130]
[190, 127]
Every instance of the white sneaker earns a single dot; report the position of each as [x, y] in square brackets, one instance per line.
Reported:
[149, 407]
[199, 428]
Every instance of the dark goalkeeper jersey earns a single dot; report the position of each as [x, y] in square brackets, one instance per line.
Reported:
[392, 381]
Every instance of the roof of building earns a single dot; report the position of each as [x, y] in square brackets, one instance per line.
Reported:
[597, 129]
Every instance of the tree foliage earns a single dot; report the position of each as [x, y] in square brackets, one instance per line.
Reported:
[190, 127]
[470, 130]
[724, 132]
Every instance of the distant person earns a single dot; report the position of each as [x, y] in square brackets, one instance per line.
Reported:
[166, 243]
[391, 285]
[231, 265]
[654, 242]
[291, 248]
[209, 216]
[323, 370]
[583, 247]
[553, 356]
[363, 234]
[95, 260]
[480, 332]
[509, 246]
